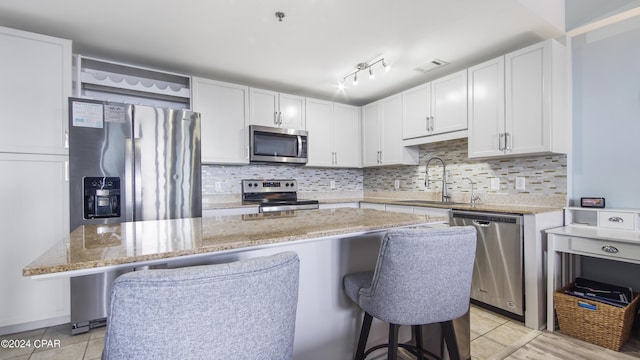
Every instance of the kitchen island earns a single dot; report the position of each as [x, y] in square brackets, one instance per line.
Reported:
[330, 244]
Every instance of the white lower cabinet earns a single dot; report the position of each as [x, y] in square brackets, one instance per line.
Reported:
[224, 110]
[34, 215]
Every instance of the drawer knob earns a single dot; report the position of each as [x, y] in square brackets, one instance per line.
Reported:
[610, 249]
[616, 219]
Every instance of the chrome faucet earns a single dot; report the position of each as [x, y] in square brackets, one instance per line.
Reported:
[444, 177]
[474, 198]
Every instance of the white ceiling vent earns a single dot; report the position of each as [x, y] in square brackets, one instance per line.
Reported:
[430, 65]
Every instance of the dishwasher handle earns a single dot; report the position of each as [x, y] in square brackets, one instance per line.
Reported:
[481, 223]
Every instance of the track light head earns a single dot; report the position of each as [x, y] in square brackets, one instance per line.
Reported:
[355, 78]
[371, 74]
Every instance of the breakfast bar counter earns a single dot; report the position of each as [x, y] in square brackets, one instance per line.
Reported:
[329, 242]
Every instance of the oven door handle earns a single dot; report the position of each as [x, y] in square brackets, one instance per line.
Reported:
[299, 146]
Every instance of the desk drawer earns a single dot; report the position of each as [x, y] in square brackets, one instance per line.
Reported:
[603, 248]
[616, 220]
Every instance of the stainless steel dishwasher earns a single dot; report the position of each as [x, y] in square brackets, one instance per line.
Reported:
[498, 271]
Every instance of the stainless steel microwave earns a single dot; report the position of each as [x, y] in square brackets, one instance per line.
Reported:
[269, 144]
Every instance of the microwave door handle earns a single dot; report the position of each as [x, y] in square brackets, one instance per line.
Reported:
[299, 146]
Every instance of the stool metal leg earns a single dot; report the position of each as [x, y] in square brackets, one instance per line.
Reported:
[392, 352]
[450, 338]
[417, 334]
[364, 335]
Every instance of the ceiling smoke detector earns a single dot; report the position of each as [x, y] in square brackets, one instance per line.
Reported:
[430, 65]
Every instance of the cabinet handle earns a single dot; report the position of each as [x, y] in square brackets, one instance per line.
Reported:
[427, 122]
[336, 155]
[616, 219]
[275, 118]
[610, 249]
[280, 118]
[508, 139]
[500, 147]
[66, 171]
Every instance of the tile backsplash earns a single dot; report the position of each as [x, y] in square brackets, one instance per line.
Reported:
[545, 177]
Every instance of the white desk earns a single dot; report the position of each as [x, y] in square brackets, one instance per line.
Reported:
[565, 242]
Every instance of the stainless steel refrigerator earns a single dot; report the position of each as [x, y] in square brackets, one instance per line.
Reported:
[127, 163]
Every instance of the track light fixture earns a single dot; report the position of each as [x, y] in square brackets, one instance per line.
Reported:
[364, 66]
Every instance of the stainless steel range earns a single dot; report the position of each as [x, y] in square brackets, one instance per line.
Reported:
[275, 195]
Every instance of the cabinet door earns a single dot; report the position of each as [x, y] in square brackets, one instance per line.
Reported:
[486, 108]
[528, 77]
[449, 103]
[36, 83]
[292, 113]
[346, 135]
[371, 134]
[223, 108]
[34, 216]
[319, 125]
[391, 136]
[416, 104]
[264, 107]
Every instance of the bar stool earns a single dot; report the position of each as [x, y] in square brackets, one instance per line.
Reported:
[422, 276]
[240, 310]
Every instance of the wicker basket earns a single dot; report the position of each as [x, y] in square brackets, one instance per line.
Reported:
[608, 326]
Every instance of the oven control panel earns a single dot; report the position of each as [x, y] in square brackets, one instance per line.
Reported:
[267, 186]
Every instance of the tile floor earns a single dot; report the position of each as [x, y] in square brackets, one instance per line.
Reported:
[491, 335]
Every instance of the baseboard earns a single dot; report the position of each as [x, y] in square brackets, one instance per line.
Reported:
[18, 328]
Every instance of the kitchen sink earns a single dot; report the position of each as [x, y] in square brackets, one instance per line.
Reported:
[431, 202]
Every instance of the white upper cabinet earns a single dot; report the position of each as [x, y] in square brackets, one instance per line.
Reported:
[517, 103]
[437, 107]
[346, 135]
[270, 108]
[224, 110]
[382, 134]
[34, 91]
[334, 134]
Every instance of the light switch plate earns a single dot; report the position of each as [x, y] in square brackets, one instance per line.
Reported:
[333, 185]
[396, 184]
[520, 183]
[495, 184]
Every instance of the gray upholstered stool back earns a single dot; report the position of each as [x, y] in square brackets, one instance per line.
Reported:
[240, 310]
[422, 276]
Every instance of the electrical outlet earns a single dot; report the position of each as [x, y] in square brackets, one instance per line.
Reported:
[520, 183]
[218, 186]
[396, 184]
[333, 185]
[495, 184]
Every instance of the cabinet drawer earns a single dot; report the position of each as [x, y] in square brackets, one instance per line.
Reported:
[605, 249]
[616, 220]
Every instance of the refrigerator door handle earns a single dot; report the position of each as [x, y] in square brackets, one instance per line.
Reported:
[137, 175]
[129, 182]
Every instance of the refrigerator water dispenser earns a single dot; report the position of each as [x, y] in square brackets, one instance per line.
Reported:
[101, 197]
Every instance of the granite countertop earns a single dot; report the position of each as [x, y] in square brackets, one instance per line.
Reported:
[500, 208]
[96, 246]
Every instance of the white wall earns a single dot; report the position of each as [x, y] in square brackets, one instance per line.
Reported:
[606, 114]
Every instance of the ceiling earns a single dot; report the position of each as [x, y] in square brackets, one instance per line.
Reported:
[315, 46]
